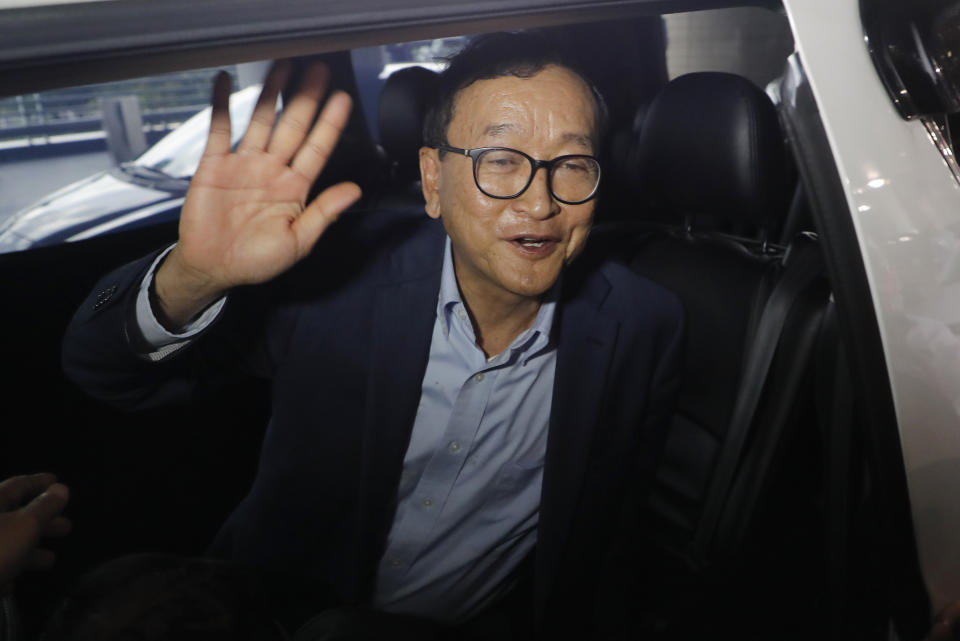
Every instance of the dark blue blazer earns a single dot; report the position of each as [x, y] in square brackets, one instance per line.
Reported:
[344, 338]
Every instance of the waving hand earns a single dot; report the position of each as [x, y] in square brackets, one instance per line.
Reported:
[245, 219]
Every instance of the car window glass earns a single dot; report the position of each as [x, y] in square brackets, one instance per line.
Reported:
[748, 41]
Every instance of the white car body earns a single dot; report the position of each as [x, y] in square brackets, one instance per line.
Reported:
[904, 202]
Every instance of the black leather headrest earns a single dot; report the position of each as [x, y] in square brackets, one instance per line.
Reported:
[711, 145]
[403, 102]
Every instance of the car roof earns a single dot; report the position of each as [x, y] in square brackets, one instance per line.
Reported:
[86, 42]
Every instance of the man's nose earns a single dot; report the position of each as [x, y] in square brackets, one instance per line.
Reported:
[536, 201]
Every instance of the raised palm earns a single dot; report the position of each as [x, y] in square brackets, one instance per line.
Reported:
[245, 218]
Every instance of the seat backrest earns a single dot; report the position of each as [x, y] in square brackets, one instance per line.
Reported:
[711, 150]
[402, 106]
[712, 157]
[619, 159]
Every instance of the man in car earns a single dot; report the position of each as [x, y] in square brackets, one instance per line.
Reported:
[462, 403]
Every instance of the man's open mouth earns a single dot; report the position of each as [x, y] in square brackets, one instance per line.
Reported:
[531, 242]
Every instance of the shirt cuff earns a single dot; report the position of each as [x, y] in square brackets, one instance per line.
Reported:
[162, 342]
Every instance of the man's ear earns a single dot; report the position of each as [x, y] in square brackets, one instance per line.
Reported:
[430, 180]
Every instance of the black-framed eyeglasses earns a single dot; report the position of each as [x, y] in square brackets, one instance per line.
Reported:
[501, 172]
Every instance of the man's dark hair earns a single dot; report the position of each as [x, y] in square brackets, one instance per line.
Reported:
[157, 597]
[496, 55]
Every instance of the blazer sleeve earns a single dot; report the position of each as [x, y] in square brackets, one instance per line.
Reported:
[105, 355]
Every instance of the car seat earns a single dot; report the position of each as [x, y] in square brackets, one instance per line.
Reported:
[402, 106]
[711, 157]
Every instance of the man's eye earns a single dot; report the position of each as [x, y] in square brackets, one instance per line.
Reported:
[577, 166]
[501, 162]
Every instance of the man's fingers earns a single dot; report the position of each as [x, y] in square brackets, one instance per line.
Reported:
[325, 209]
[49, 504]
[218, 141]
[298, 114]
[313, 154]
[261, 122]
[17, 490]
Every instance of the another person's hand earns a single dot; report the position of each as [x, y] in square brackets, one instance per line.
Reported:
[30, 509]
[946, 627]
[245, 219]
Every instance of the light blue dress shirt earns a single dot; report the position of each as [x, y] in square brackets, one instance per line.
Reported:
[469, 496]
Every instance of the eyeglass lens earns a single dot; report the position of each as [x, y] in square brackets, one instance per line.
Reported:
[505, 173]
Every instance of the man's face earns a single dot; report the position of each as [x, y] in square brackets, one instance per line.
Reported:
[547, 115]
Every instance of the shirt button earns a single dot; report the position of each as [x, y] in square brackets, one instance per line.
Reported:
[395, 563]
[454, 446]
[427, 502]
[479, 377]
[462, 314]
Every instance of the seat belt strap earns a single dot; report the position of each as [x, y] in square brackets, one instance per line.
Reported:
[803, 265]
[837, 443]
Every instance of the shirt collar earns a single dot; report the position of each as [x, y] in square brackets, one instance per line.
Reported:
[449, 292]
[530, 342]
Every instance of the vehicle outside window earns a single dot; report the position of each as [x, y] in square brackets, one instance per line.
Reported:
[123, 193]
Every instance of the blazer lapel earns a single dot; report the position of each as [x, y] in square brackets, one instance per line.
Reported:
[404, 312]
[586, 342]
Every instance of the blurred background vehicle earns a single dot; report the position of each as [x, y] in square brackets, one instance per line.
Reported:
[145, 191]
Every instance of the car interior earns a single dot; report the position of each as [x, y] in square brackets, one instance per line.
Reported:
[763, 521]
